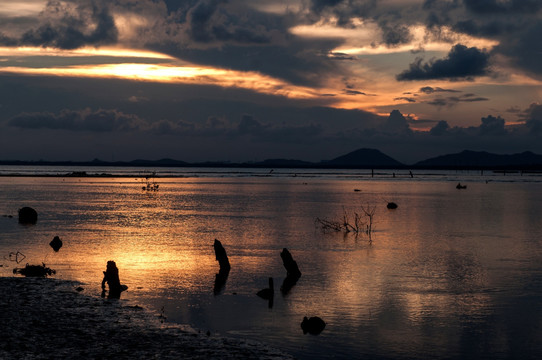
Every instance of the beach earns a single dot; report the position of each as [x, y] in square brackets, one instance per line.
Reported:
[54, 319]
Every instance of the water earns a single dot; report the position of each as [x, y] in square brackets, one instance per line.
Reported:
[449, 274]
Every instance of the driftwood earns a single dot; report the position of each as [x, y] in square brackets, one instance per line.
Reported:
[34, 271]
[111, 277]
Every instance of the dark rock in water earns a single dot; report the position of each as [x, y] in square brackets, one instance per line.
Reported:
[56, 243]
[27, 215]
[391, 205]
[34, 271]
[459, 186]
[313, 325]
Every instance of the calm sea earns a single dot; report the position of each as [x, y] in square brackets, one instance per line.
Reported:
[450, 273]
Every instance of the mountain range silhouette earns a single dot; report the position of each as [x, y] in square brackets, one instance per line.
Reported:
[363, 158]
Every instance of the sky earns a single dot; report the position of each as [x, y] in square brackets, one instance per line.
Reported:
[249, 80]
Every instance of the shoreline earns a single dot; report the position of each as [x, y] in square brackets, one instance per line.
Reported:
[45, 318]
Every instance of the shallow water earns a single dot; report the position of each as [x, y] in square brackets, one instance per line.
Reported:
[449, 274]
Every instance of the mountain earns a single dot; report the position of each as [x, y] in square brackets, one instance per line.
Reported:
[479, 159]
[283, 163]
[364, 158]
[161, 162]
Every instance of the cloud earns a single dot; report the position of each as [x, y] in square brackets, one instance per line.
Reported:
[66, 26]
[441, 128]
[461, 63]
[85, 120]
[405, 98]
[492, 125]
[209, 21]
[395, 35]
[533, 117]
[454, 100]
[502, 7]
[395, 123]
[431, 90]
[353, 92]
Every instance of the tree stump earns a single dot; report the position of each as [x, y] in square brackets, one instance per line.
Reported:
[221, 256]
[289, 264]
[111, 276]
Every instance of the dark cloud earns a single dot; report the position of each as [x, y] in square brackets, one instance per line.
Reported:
[454, 100]
[343, 11]
[396, 123]
[394, 35]
[492, 125]
[353, 92]
[461, 63]
[523, 46]
[440, 128]
[209, 21]
[533, 119]
[431, 90]
[65, 29]
[503, 6]
[483, 27]
[86, 120]
[408, 99]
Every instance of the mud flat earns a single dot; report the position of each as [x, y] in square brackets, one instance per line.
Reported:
[49, 318]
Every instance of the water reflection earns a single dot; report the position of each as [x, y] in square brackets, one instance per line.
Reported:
[448, 274]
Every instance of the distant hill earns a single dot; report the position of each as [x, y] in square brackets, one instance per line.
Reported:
[161, 162]
[361, 158]
[283, 163]
[364, 158]
[479, 159]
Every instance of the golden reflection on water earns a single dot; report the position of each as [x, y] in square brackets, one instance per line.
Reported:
[438, 269]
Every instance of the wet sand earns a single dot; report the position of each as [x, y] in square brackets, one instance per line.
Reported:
[50, 319]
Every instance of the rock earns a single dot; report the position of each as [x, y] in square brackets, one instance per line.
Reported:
[313, 325]
[56, 243]
[391, 205]
[27, 215]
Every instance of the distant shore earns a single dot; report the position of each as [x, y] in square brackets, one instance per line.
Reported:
[49, 318]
